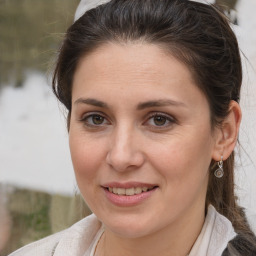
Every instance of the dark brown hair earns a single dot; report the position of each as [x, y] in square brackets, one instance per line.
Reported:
[198, 35]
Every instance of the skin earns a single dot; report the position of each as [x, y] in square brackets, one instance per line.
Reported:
[128, 144]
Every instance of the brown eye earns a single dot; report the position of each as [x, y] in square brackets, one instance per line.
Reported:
[97, 119]
[94, 120]
[160, 120]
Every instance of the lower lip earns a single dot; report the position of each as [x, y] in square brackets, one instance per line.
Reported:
[125, 201]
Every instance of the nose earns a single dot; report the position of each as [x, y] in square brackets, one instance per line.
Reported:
[125, 150]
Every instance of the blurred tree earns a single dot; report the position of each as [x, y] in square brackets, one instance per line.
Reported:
[36, 214]
[30, 32]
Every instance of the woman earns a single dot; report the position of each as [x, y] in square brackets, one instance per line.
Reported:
[152, 92]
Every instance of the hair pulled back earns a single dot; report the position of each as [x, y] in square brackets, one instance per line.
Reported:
[199, 36]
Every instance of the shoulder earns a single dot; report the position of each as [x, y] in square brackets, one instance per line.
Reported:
[76, 238]
[241, 245]
[44, 247]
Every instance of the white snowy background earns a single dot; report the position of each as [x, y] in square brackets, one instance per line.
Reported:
[34, 142]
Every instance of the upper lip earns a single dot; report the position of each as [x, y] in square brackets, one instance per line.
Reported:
[132, 184]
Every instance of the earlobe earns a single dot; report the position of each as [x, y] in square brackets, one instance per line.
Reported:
[227, 134]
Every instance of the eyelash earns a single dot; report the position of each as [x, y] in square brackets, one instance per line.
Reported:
[168, 119]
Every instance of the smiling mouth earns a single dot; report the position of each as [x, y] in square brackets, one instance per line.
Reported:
[129, 191]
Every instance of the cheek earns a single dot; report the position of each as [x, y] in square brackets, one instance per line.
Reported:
[183, 164]
[183, 158]
[86, 158]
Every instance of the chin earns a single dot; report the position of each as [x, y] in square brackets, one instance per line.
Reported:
[130, 226]
[129, 231]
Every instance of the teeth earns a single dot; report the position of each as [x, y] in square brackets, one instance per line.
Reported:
[121, 191]
[128, 191]
[137, 190]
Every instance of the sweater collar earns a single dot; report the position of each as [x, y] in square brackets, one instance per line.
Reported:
[217, 231]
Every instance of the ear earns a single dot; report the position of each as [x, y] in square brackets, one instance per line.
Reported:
[226, 135]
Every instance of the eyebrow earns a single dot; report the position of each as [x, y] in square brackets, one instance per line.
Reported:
[160, 103]
[93, 102]
[141, 106]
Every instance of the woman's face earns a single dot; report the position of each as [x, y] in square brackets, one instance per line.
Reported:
[140, 139]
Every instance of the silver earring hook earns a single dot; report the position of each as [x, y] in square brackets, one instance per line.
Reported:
[219, 172]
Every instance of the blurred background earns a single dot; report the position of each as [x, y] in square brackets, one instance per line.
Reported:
[38, 192]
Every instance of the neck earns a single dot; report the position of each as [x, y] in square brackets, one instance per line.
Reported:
[176, 239]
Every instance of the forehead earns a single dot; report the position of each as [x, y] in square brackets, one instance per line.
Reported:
[133, 70]
[134, 61]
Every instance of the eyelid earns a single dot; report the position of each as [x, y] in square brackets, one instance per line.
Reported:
[158, 113]
[91, 113]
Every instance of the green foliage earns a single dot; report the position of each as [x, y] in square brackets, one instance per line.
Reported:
[35, 215]
[30, 33]
[29, 212]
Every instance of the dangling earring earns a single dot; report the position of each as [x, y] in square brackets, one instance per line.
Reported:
[219, 172]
